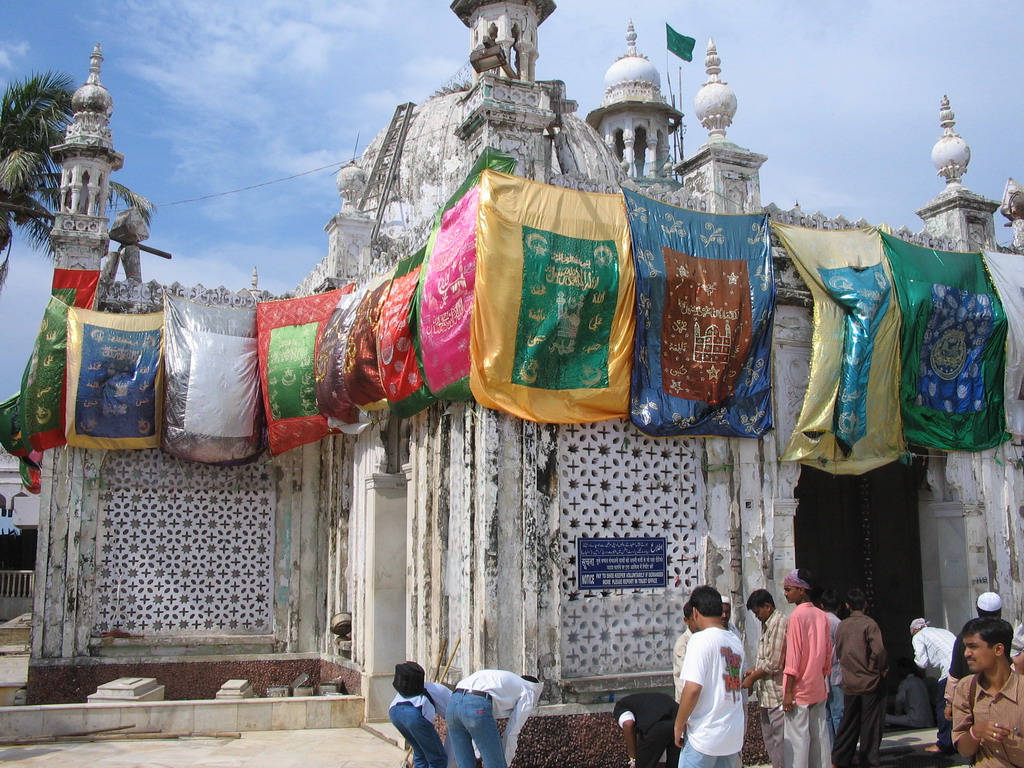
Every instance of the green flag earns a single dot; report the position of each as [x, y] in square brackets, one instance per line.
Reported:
[680, 45]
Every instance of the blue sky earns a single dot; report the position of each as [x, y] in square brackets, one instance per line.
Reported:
[209, 97]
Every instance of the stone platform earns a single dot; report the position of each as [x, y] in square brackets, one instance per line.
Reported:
[205, 716]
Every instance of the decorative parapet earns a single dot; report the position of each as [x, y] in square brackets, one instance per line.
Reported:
[818, 220]
[317, 277]
[132, 297]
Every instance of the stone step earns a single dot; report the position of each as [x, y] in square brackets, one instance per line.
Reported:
[383, 729]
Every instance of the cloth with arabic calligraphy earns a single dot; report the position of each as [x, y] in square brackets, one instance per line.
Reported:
[42, 386]
[705, 301]
[287, 334]
[115, 371]
[444, 297]
[400, 370]
[850, 419]
[553, 318]
[1007, 272]
[212, 408]
[953, 348]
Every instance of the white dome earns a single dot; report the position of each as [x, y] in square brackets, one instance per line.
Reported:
[632, 68]
[350, 180]
[950, 150]
[715, 102]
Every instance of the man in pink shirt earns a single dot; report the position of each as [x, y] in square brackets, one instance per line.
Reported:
[806, 742]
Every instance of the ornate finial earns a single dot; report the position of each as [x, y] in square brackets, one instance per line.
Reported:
[630, 39]
[95, 63]
[255, 282]
[92, 106]
[712, 62]
[715, 103]
[950, 155]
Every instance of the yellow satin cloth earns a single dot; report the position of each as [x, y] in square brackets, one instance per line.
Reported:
[507, 205]
[813, 441]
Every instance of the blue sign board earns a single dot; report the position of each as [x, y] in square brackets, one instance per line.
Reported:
[621, 563]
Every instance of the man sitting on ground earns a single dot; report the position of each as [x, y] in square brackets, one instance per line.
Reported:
[913, 709]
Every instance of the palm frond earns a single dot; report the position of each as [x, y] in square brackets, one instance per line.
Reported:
[121, 193]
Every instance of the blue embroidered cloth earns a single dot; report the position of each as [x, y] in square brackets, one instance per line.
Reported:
[705, 294]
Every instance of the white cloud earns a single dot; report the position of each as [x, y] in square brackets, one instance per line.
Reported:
[10, 51]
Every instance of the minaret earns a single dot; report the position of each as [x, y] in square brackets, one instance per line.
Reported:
[507, 109]
[348, 232]
[87, 158]
[511, 25]
[634, 119]
[724, 174]
[957, 213]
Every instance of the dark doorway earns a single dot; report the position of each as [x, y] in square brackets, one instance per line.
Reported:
[862, 531]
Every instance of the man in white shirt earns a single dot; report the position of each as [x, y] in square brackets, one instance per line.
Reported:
[412, 712]
[479, 701]
[933, 647]
[711, 707]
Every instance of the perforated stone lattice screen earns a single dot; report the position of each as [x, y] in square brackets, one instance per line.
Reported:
[614, 482]
[184, 549]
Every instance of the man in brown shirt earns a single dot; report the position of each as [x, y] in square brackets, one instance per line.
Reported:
[988, 705]
[864, 662]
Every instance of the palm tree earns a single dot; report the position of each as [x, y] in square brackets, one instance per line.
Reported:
[34, 114]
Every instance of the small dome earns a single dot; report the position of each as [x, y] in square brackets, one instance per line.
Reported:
[632, 67]
[350, 180]
[93, 97]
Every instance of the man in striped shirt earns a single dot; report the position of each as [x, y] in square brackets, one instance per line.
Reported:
[765, 679]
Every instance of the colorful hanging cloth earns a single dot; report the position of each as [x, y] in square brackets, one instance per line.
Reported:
[850, 420]
[10, 426]
[287, 333]
[361, 371]
[114, 398]
[705, 302]
[552, 322]
[953, 348]
[1007, 272]
[76, 287]
[400, 371]
[444, 298]
[212, 408]
[43, 384]
[329, 363]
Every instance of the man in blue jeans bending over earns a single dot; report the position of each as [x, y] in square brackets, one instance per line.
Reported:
[412, 713]
[479, 701]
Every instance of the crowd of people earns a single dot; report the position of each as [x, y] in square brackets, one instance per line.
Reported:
[820, 684]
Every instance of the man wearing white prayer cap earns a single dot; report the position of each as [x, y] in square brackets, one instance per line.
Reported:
[989, 605]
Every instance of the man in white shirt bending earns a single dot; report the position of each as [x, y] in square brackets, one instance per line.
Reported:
[711, 706]
[479, 701]
[412, 712]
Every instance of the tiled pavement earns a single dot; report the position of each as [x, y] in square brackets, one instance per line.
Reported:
[327, 748]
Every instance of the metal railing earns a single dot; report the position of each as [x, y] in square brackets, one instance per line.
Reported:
[17, 583]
